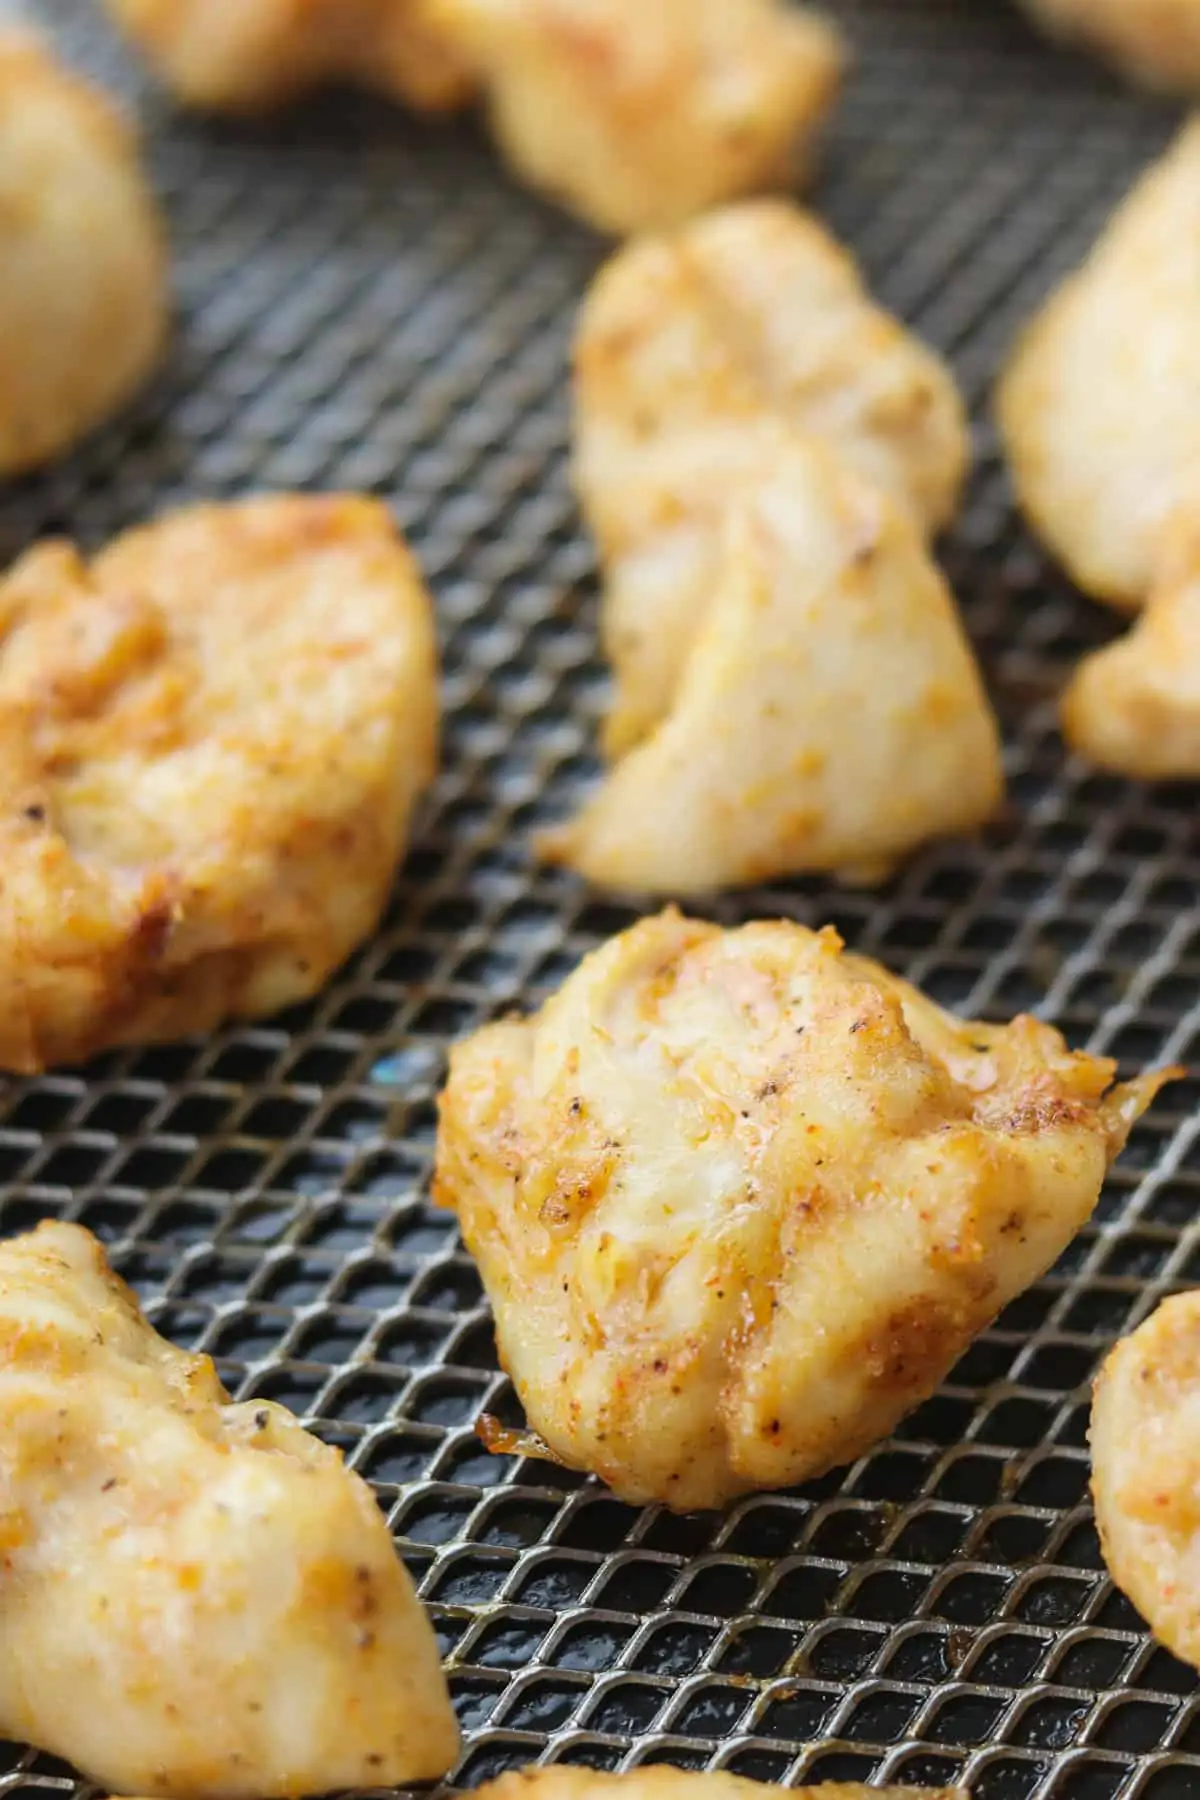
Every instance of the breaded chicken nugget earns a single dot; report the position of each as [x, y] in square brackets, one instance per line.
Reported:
[83, 268]
[244, 55]
[635, 115]
[211, 739]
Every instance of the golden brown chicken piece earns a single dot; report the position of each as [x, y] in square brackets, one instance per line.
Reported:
[1100, 412]
[762, 453]
[211, 740]
[1100, 406]
[637, 116]
[245, 55]
[740, 1200]
[83, 266]
[1135, 706]
[561, 1782]
[1146, 1470]
[1154, 42]
[199, 1599]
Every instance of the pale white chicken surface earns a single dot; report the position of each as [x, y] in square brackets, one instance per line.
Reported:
[762, 453]
[1100, 406]
[1146, 1471]
[84, 304]
[1154, 42]
[211, 740]
[245, 55]
[200, 1600]
[829, 714]
[637, 116]
[686, 343]
[1134, 707]
[740, 1200]
[560, 1782]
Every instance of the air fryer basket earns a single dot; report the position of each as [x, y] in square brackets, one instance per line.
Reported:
[367, 301]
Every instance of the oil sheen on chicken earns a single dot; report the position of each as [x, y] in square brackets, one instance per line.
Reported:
[740, 1199]
[200, 1600]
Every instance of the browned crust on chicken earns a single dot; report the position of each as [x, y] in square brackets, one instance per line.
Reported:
[211, 740]
[740, 1199]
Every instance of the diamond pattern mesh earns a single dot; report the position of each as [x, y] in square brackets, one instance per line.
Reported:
[367, 301]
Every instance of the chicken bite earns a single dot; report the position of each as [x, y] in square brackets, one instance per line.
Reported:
[562, 1782]
[687, 343]
[740, 1199]
[829, 714]
[1099, 407]
[247, 55]
[83, 298]
[1154, 42]
[200, 1600]
[637, 116]
[1146, 1470]
[211, 740]
[1100, 413]
[762, 453]
[1134, 706]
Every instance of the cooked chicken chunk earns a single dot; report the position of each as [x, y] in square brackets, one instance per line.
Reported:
[685, 344]
[243, 55]
[561, 1782]
[637, 116]
[1155, 42]
[631, 115]
[829, 714]
[199, 1600]
[1100, 407]
[1146, 1470]
[211, 740]
[1100, 410]
[741, 1199]
[1135, 706]
[83, 294]
[762, 454]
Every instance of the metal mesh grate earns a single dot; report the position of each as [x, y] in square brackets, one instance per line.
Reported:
[367, 301]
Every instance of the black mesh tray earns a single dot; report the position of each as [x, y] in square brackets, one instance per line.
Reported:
[367, 301]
